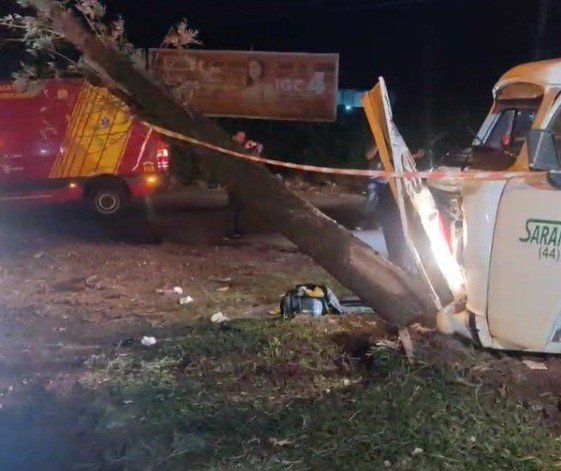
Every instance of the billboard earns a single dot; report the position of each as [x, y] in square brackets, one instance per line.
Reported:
[251, 84]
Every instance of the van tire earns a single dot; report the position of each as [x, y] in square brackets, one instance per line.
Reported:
[108, 198]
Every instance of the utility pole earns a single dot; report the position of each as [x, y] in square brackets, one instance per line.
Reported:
[542, 25]
[428, 86]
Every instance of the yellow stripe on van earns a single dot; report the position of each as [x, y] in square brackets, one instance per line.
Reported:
[97, 135]
[73, 122]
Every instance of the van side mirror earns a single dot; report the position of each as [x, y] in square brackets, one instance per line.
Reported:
[542, 150]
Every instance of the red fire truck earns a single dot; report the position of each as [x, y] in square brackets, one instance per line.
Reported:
[66, 140]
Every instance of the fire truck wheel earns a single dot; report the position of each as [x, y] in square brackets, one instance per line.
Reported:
[108, 200]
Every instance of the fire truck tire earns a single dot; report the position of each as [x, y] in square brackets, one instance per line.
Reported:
[107, 199]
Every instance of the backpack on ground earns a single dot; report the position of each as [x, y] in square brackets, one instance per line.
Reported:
[310, 299]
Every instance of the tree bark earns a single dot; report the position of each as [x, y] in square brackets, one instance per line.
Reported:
[392, 293]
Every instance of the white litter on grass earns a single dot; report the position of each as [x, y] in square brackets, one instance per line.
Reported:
[186, 300]
[281, 443]
[417, 451]
[148, 341]
[535, 365]
[223, 288]
[176, 290]
[219, 318]
[387, 344]
[222, 280]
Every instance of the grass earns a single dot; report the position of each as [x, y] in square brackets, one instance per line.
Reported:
[304, 395]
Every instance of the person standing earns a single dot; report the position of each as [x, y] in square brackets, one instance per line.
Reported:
[382, 210]
[377, 185]
[235, 205]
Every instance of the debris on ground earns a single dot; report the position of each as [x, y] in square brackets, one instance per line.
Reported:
[316, 301]
[176, 290]
[186, 300]
[222, 280]
[309, 299]
[405, 337]
[148, 341]
[90, 282]
[280, 443]
[535, 365]
[219, 318]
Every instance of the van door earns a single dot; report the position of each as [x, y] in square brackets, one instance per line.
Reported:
[15, 135]
[52, 122]
[523, 293]
[417, 207]
[34, 118]
[524, 305]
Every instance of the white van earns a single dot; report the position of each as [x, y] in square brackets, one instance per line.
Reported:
[506, 234]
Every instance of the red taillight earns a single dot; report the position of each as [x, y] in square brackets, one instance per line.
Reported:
[162, 159]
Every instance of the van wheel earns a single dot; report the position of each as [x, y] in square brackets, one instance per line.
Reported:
[108, 199]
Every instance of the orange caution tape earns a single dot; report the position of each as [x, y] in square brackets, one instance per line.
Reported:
[427, 175]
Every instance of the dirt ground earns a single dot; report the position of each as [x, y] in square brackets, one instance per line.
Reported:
[74, 289]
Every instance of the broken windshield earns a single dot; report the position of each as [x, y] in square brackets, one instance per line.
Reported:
[510, 129]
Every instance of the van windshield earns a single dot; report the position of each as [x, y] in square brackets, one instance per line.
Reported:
[510, 129]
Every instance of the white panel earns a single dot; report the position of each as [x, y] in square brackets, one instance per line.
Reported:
[525, 280]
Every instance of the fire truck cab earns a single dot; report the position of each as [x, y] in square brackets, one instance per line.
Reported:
[69, 141]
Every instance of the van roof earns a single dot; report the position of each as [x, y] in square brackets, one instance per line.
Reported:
[542, 73]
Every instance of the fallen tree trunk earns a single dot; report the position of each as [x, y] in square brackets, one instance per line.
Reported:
[392, 293]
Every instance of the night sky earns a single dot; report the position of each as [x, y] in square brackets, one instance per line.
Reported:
[438, 56]
[456, 48]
